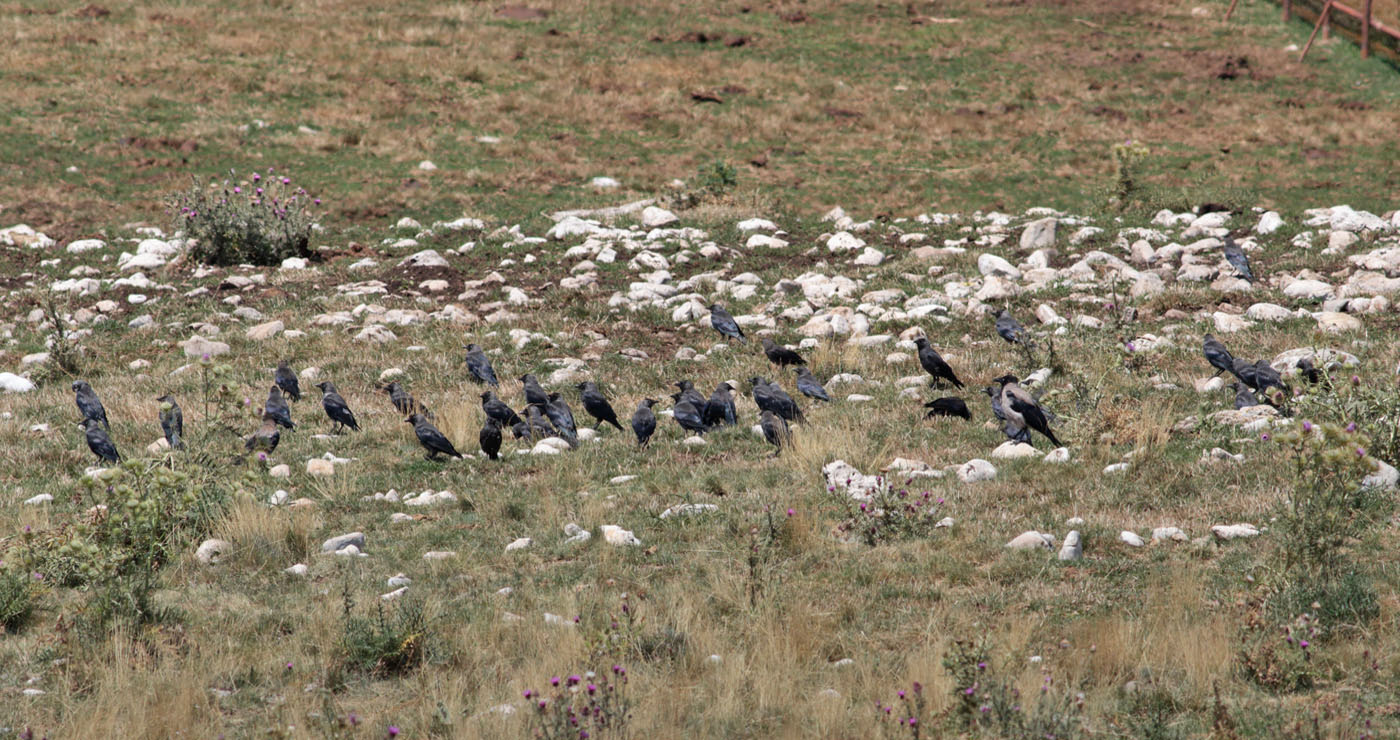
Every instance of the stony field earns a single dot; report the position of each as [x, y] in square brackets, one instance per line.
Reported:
[571, 186]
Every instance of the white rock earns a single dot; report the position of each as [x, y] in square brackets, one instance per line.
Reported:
[655, 217]
[85, 245]
[575, 534]
[1115, 468]
[1031, 540]
[1057, 455]
[1268, 223]
[439, 554]
[1174, 534]
[615, 535]
[266, 331]
[12, 383]
[688, 509]
[1227, 323]
[976, 470]
[1130, 538]
[991, 264]
[296, 570]
[844, 241]
[1384, 477]
[1334, 322]
[42, 498]
[198, 346]
[211, 551]
[340, 542]
[1234, 531]
[1072, 549]
[1013, 450]
[519, 544]
[1039, 234]
[1268, 312]
[318, 467]
[396, 593]
[280, 471]
[1308, 289]
[425, 258]
[870, 257]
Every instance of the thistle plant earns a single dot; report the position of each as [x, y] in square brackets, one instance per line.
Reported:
[259, 220]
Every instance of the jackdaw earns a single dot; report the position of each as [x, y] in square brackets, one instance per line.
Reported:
[432, 440]
[276, 407]
[498, 410]
[644, 421]
[773, 398]
[779, 355]
[1218, 357]
[719, 409]
[534, 393]
[1010, 329]
[266, 437]
[172, 421]
[688, 416]
[596, 404]
[947, 406]
[88, 403]
[563, 418]
[537, 426]
[1266, 377]
[287, 381]
[1246, 371]
[724, 323]
[1018, 405]
[98, 441]
[335, 407]
[775, 430]
[480, 366]
[1307, 371]
[1237, 259]
[1243, 397]
[404, 402]
[688, 393]
[810, 387]
[490, 438]
[934, 364]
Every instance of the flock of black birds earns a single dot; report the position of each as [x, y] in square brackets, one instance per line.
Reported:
[548, 415]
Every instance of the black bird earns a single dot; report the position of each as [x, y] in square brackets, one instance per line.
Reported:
[403, 401]
[1218, 357]
[1247, 372]
[644, 422]
[498, 410]
[596, 404]
[432, 440]
[563, 418]
[773, 398]
[719, 409]
[89, 404]
[172, 421]
[266, 437]
[1309, 373]
[277, 408]
[534, 393]
[1243, 397]
[98, 441]
[1266, 377]
[775, 430]
[480, 366]
[335, 407]
[287, 381]
[1014, 430]
[688, 416]
[947, 406]
[934, 364]
[810, 387]
[1020, 406]
[1010, 329]
[537, 426]
[520, 430]
[779, 355]
[724, 323]
[688, 393]
[1237, 259]
[490, 438]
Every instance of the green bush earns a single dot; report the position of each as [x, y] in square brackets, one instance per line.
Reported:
[386, 644]
[261, 220]
[17, 593]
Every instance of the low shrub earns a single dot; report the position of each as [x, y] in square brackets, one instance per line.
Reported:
[260, 220]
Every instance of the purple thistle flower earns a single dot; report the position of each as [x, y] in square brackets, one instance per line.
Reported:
[256, 177]
[1351, 427]
[237, 189]
[393, 731]
[791, 512]
[1264, 437]
[554, 681]
[1307, 426]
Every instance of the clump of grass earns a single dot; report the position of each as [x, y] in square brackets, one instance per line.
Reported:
[17, 595]
[259, 220]
[387, 644]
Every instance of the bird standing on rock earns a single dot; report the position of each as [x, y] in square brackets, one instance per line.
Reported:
[934, 364]
[724, 323]
[277, 408]
[432, 440]
[480, 366]
[779, 355]
[948, 406]
[172, 421]
[98, 441]
[266, 437]
[775, 430]
[335, 407]
[810, 387]
[644, 421]
[1238, 259]
[1020, 406]
[89, 404]
[287, 381]
[490, 438]
[596, 404]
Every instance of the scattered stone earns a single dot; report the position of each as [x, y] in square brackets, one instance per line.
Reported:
[519, 544]
[976, 470]
[1031, 540]
[575, 534]
[296, 570]
[266, 331]
[1057, 455]
[319, 467]
[42, 498]
[198, 346]
[1012, 450]
[1115, 468]
[211, 551]
[338, 543]
[1130, 538]
[1174, 534]
[688, 509]
[1234, 531]
[615, 535]
[12, 383]
[1072, 549]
